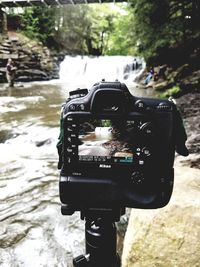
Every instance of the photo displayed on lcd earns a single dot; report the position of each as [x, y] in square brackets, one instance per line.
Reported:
[105, 140]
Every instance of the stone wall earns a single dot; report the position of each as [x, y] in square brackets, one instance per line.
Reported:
[33, 60]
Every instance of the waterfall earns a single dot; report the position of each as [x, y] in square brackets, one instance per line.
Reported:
[84, 71]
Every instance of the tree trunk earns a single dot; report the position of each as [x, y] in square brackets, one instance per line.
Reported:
[3, 22]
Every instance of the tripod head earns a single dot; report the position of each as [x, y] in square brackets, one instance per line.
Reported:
[100, 236]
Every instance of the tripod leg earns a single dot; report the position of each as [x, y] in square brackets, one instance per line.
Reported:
[81, 261]
[101, 243]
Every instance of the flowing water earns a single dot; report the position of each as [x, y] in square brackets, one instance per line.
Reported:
[33, 232]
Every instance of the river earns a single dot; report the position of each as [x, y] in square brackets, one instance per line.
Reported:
[33, 232]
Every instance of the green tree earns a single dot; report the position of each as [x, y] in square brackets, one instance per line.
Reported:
[88, 35]
[166, 31]
[120, 39]
[101, 25]
[149, 26]
[80, 29]
[71, 25]
[39, 23]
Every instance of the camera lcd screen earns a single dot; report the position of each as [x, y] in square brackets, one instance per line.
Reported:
[103, 140]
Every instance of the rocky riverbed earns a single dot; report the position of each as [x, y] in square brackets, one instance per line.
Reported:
[188, 105]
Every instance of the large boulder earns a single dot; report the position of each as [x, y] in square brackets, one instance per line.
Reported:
[31, 75]
[191, 82]
[162, 86]
[170, 236]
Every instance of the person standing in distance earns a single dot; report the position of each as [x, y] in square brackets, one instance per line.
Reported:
[10, 72]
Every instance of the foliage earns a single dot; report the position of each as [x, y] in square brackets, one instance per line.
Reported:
[81, 29]
[170, 92]
[89, 34]
[95, 33]
[38, 23]
[166, 30]
[70, 28]
[101, 25]
[120, 39]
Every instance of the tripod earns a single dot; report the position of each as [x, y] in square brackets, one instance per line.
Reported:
[100, 238]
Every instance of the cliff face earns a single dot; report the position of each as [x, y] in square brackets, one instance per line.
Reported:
[34, 61]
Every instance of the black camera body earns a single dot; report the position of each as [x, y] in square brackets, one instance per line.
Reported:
[117, 150]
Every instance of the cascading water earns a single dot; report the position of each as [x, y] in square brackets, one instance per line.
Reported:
[84, 71]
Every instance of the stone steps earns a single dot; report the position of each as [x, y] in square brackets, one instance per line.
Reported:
[33, 61]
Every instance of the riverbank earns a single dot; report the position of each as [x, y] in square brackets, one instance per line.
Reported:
[174, 80]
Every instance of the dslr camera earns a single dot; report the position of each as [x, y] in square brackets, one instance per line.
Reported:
[117, 150]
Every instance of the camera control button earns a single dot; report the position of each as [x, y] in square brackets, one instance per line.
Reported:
[137, 177]
[141, 162]
[81, 107]
[139, 104]
[138, 151]
[70, 119]
[69, 150]
[69, 129]
[68, 160]
[72, 107]
[146, 152]
[69, 139]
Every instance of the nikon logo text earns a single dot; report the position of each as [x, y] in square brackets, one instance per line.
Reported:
[104, 166]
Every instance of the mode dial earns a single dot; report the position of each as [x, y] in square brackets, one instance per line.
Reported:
[164, 106]
[147, 129]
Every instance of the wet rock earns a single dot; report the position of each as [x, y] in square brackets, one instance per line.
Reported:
[193, 161]
[183, 71]
[4, 135]
[188, 105]
[160, 70]
[3, 74]
[6, 56]
[191, 81]
[43, 142]
[162, 86]
[31, 74]
[186, 76]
